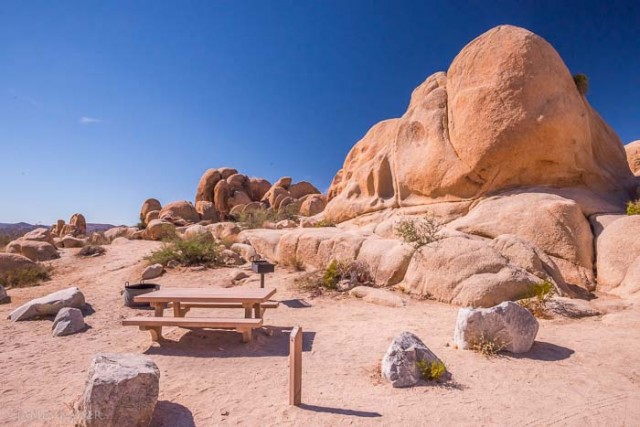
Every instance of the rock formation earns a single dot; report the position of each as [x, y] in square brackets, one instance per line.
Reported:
[77, 227]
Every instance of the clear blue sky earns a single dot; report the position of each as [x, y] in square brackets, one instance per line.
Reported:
[106, 103]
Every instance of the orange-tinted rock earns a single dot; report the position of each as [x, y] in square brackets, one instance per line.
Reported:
[180, 210]
[632, 151]
[258, 188]
[207, 184]
[148, 206]
[301, 189]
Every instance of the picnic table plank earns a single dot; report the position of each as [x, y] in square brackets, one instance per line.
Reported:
[248, 296]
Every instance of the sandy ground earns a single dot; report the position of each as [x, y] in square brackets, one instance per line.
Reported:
[580, 372]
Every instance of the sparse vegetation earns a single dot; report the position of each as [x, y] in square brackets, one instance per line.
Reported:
[633, 207]
[91, 251]
[255, 218]
[324, 223]
[536, 299]
[419, 231]
[6, 238]
[196, 250]
[25, 277]
[431, 371]
[297, 264]
[356, 273]
[141, 225]
[488, 347]
[582, 83]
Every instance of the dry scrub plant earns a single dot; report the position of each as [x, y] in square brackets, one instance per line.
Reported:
[26, 276]
[488, 347]
[536, 299]
[196, 250]
[419, 231]
[356, 273]
[633, 207]
[255, 218]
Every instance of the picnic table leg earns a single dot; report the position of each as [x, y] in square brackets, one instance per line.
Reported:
[258, 311]
[247, 311]
[176, 309]
[156, 331]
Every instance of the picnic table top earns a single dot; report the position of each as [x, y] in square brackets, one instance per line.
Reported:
[253, 296]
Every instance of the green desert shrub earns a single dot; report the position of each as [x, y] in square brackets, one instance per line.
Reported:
[418, 231]
[356, 272]
[536, 299]
[582, 83]
[633, 207]
[195, 250]
[323, 223]
[431, 371]
[27, 276]
[255, 218]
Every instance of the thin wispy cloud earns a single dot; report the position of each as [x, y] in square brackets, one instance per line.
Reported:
[24, 99]
[86, 120]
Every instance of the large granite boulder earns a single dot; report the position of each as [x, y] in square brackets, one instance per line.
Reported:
[632, 151]
[509, 326]
[13, 262]
[506, 114]
[149, 205]
[179, 213]
[4, 298]
[39, 235]
[49, 305]
[159, 229]
[35, 250]
[121, 390]
[618, 249]
[400, 362]
[68, 321]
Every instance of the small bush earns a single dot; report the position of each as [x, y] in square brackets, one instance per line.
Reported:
[331, 275]
[419, 232]
[357, 273]
[536, 299]
[633, 207]
[141, 225]
[431, 371]
[582, 83]
[487, 347]
[255, 218]
[24, 277]
[324, 223]
[196, 250]
[91, 250]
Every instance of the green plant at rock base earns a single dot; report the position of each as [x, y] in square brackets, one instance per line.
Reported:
[196, 250]
[633, 207]
[582, 83]
[536, 299]
[431, 371]
[324, 223]
[141, 225]
[419, 232]
[255, 218]
[331, 275]
[26, 276]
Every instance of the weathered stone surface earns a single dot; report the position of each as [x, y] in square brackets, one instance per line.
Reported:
[198, 230]
[258, 188]
[152, 271]
[312, 205]
[49, 305]
[467, 272]
[284, 182]
[508, 325]
[149, 205]
[72, 242]
[618, 247]
[237, 182]
[207, 211]
[115, 232]
[285, 223]
[180, 210]
[206, 185]
[68, 321]
[39, 235]
[159, 229]
[506, 114]
[388, 259]
[121, 390]
[33, 249]
[400, 362]
[224, 230]
[221, 194]
[238, 198]
[632, 150]
[79, 224]
[265, 242]
[229, 258]
[4, 298]
[14, 262]
[244, 250]
[550, 222]
[377, 296]
[301, 189]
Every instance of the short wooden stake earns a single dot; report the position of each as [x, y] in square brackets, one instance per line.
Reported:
[295, 366]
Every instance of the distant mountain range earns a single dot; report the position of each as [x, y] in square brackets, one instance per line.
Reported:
[23, 227]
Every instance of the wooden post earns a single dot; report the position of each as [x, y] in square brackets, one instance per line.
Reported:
[295, 366]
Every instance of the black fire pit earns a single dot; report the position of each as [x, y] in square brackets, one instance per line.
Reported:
[131, 291]
[262, 266]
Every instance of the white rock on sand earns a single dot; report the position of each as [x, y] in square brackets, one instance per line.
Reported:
[508, 325]
[68, 321]
[377, 296]
[400, 362]
[48, 305]
[121, 390]
[152, 272]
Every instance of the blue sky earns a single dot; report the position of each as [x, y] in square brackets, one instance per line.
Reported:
[106, 103]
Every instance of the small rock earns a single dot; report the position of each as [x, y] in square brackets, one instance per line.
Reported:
[173, 264]
[571, 308]
[72, 242]
[68, 321]
[229, 257]
[48, 305]
[238, 275]
[377, 296]
[152, 272]
[400, 363]
[244, 250]
[508, 325]
[198, 268]
[121, 390]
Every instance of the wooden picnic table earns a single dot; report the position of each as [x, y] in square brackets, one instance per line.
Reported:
[183, 299]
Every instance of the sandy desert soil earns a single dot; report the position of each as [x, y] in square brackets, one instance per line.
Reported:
[580, 372]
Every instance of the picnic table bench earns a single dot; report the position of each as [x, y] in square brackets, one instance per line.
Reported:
[182, 300]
